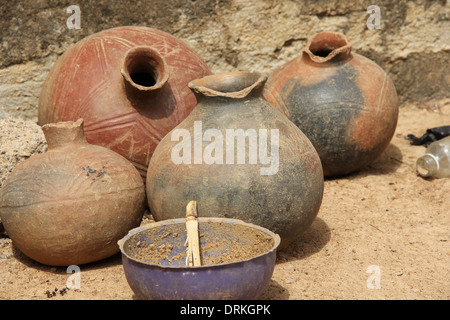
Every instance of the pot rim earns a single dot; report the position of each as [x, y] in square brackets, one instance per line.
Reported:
[336, 42]
[275, 237]
[207, 85]
[149, 57]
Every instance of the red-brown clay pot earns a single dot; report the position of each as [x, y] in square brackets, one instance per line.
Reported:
[129, 84]
[73, 203]
[344, 103]
[208, 158]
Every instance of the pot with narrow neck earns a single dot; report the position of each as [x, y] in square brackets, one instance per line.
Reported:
[129, 84]
[238, 157]
[71, 205]
[343, 102]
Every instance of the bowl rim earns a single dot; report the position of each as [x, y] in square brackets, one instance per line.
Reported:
[153, 225]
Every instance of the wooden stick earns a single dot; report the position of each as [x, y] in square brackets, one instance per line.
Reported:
[192, 234]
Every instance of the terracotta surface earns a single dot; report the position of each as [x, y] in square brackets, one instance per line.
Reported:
[285, 201]
[344, 103]
[384, 216]
[73, 203]
[129, 84]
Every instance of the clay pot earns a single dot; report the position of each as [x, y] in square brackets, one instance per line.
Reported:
[73, 203]
[129, 84]
[277, 184]
[344, 103]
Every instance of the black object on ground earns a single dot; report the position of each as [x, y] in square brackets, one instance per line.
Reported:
[430, 136]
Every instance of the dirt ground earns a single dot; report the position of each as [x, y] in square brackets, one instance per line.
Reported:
[382, 233]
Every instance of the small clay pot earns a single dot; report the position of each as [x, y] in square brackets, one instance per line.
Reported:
[73, 203]
[129, 84]
[344, 103]
[217, 156]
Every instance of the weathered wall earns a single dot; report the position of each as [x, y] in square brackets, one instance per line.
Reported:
[413, 44]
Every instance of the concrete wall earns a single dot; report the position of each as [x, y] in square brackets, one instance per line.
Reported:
[412, 45]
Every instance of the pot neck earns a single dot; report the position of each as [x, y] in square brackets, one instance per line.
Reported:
[61, 134]
[228, 87]
[144, 70]
[327, 46]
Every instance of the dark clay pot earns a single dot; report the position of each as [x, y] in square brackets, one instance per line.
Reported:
[344, 103]
[129, 84]
[282, 194]
[72, 204]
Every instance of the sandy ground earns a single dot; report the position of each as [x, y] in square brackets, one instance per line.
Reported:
[382, 233]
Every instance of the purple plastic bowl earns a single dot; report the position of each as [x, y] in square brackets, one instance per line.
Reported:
[241, 280]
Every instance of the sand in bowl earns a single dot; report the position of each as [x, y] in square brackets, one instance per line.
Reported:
[219, 243]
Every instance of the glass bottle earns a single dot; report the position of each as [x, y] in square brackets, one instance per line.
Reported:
[436, 161]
